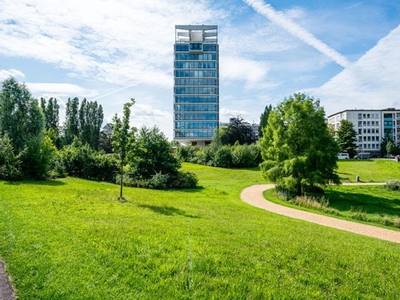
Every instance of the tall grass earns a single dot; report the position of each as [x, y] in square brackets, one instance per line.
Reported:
[72, 239]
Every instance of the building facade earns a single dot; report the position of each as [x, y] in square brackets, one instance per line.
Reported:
[196, 83]
[371, 126]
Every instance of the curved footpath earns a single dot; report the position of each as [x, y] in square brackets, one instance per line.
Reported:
[253, 195]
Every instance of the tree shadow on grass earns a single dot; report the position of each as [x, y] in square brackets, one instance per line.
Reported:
[167, 210]
[345, 202]
[38, 182]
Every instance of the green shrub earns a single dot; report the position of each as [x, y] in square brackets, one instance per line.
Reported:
[159, 181]
[223, 157]
[184, 180]
[83, 162]
[245, 156]
[393, 184]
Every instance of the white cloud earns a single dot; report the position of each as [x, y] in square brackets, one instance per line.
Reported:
[60, 90]
[120, 42]
[227, 113]
[372, 82]
[4, 74]
[295, 29]
[238, 68]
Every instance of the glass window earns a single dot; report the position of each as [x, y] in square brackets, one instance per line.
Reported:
[181, 47]
[210, 47]
[196, 47]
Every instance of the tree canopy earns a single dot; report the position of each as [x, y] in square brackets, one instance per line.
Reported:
[298, 151]
[237, 130]
[346, 138]
[264, 120]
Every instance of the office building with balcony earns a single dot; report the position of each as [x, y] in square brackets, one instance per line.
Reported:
[371, 126]
[196, 83]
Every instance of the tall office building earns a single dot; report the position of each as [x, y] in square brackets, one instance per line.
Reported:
[196, 83]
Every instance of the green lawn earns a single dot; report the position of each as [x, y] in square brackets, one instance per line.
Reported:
[369, 170]
[71, 239]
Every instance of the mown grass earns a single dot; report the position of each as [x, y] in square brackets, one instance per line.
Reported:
[71, 239]
[368, 170]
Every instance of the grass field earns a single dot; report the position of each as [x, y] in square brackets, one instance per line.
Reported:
[368, 170]
[71, 239]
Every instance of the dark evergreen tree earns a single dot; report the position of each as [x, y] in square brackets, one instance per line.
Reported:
[105, 139]
[237, 131]
[346, 137]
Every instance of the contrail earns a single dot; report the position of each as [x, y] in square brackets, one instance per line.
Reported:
[116, 91]
[279, 18]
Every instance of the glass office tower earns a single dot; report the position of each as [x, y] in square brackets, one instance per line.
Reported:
[196, 83]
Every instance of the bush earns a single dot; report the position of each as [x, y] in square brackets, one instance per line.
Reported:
[223, 157]
[37, 159]
[237, 156]
[83, 162]
[246, 156]
[184, 180]
[393, 185]
[159, 181]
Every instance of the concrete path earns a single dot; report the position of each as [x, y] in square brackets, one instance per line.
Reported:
[253, 195]
[6, 291]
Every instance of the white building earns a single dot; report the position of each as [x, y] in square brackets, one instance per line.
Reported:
[371, 126]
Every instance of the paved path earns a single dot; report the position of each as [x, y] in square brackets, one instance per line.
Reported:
[6, 291]
[253, 195]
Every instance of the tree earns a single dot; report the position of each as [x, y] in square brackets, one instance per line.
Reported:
[298, 151]
[105, 138]
[346, 138]
[90, 121]
[20, 115]
[264, 120]
[152, 154]
[51, 110]
[122, 138]
[71, 126]
[10, 163]
[237, 131]
[23, 121]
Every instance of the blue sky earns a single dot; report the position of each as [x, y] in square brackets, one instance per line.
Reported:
[346, 53]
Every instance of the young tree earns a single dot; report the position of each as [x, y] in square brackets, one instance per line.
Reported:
[299, 152]
[264, 120]
[346, 138]
[122, 138]
[237, 131]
